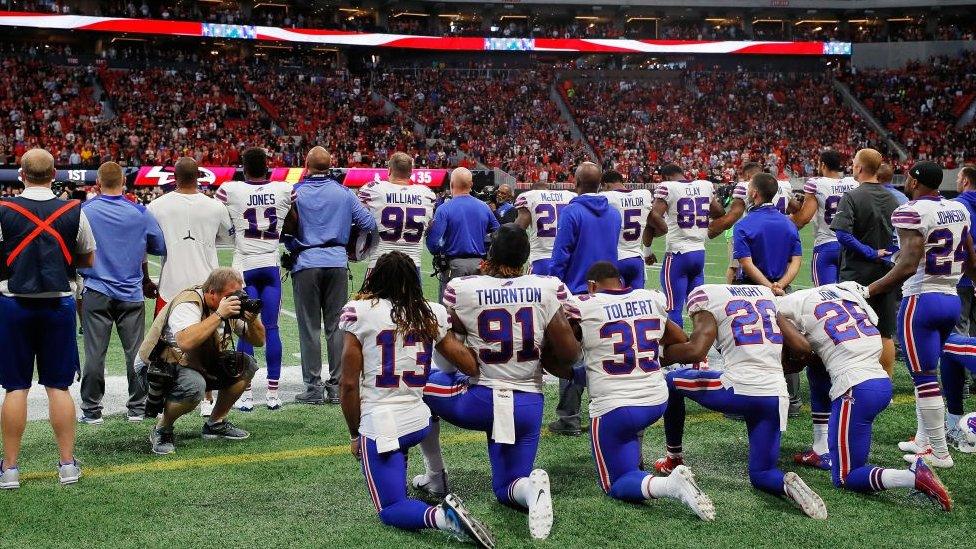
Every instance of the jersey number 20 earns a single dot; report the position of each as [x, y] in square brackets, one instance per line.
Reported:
[753, 324]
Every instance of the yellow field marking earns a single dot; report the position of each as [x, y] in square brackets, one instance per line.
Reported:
[222, 460]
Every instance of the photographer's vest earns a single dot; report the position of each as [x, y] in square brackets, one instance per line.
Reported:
[39, 237]
[199, 358]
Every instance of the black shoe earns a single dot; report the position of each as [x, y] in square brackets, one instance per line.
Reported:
[223, 429]
[560, 427]
[332, 394]
[311, 396]
[795, 410]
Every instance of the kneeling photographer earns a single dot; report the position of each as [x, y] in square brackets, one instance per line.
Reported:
[189, 350]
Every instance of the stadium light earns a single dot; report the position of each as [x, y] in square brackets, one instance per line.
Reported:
[767, 21]
[410, 14]
[450, 15]
[900, 20]
[504, 17]
[629, 19]
[818, 21]
[587, 18]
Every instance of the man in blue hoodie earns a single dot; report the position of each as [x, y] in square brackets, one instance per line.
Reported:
[966, 185]
[588, 231]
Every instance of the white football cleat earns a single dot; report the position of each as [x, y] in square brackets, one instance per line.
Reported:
[246, 402]
[432, 484]
[274, 402]
[913, 447]
[687, 490]
[540, 505]
[807, 499]
[206, 407]
[931, 459]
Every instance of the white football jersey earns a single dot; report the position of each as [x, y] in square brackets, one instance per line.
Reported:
[402, 213]
[258, 210]
[781, 200]
[688, 216]
[395, 368]
[828, 192]
[193, 225]
[838, 325]
[505, 320]
[944, 224]
[621, 335]
[544, 207]
[748, 337]
[634, 206]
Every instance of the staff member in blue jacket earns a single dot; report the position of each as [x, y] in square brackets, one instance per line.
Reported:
[42, 240]
[459, 229]
[767, 245]
[588, 231]
[114, 289]
[966, 185]
[317, 228]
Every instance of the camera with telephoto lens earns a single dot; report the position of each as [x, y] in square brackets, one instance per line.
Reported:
[160, 377]
[248, 305]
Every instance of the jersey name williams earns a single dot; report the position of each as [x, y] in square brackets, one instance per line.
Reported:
[503, 296]
[397, 198]
[261, 200]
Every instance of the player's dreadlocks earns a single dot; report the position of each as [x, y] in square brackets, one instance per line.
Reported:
[508, 253]
[395, 278]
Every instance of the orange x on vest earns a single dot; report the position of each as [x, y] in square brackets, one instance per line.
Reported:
[42, 226]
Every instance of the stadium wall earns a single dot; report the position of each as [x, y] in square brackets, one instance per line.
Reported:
[892, 55]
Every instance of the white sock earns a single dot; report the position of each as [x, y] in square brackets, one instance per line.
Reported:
[820, 438]
[897, 478]
[440, 518]
[430, 448]
[952, 421]
[522, 491]
[656, 487]
[932, 411]
[921, 438]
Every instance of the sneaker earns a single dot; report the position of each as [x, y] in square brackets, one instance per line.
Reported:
[795, 410]
[311, 396]
[812, 459]
[246, 402]
[434, 485]
[206, 407]
[135, 417]
[223, 429]
[928, 483]
[687, 490]
[69, 473]
[91, 419]
[912, 447]
[540, 505]
[332, 394]
[668, 463]
[564, 428]
[956, 438]
[162, 440]
[463, 525]
[274, 402]
[802, 495]
[942, 462]
[9, 477]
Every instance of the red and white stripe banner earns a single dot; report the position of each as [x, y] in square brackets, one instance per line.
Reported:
[346, 38]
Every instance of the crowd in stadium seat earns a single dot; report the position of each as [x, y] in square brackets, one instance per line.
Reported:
[49, 106]
[921, 103]
[715, 121]
[505, 120]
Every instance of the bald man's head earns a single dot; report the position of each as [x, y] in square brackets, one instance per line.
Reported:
[588, 177]
[37, 167]
[186, 171]
[866, 164]
[110, 178]
[461, 181]
[318, 160]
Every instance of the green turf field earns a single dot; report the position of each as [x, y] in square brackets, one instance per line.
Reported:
[293, 483]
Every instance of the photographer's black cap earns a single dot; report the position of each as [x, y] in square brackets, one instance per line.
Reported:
[509, 246]
[928, 174]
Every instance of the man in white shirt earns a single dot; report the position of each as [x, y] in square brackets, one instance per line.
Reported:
[37, 309]
[192, 224]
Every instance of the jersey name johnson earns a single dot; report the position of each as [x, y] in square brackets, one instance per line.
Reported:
[944, 225]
